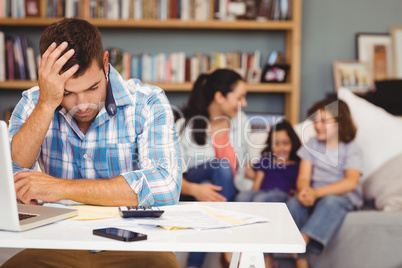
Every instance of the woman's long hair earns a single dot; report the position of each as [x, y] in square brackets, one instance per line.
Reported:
[201, 96]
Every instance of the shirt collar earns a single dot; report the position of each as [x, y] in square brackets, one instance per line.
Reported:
[117, 93]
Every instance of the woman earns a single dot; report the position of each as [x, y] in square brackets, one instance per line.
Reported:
[212, 137]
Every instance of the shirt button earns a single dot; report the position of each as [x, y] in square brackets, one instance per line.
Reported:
[85, 156]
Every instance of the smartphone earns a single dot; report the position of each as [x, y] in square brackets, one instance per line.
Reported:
[120, 234]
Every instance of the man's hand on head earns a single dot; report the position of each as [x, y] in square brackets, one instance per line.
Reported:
[51, 82]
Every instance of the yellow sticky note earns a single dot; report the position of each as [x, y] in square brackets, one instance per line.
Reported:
[88, 213]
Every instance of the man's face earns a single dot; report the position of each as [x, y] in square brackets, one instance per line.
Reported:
[84, 96]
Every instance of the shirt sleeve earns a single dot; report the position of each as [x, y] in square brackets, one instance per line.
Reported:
[353, 157]
[21, 112]
[303, 152]
[158, 180]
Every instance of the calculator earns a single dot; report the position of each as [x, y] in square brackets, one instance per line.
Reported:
[139, 211]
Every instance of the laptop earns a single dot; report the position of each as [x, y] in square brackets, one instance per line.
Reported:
[35, 216]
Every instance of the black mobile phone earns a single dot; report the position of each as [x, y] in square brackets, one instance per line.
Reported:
[120, 234]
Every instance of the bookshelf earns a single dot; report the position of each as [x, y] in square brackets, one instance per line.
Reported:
[292, 29]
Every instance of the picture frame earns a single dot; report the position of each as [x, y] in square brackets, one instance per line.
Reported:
[32, 8]
[276, 73]
[376, 50]
[353, 75]
[396, 37]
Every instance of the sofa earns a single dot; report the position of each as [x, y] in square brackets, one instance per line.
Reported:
[372, 236]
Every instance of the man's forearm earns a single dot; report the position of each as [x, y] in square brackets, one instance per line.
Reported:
[26, 143]
[109, 192]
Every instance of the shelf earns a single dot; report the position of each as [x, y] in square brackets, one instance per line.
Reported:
[167, 24]
[18, 84]
[292, 29]
[184, 87]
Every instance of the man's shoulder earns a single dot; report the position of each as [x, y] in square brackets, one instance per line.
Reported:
[31, 94]
[143, 92]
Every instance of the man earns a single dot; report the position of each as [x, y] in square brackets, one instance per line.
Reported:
[98, 139]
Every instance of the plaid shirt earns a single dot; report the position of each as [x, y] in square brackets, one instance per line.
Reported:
[133, 135]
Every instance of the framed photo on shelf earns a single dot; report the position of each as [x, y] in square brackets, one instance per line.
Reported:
[375, 49]
[354, 75]
[396, 36]
[276, 73]
[32, 8]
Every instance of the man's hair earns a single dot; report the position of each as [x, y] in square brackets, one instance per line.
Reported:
[80, 35]
[340, 110]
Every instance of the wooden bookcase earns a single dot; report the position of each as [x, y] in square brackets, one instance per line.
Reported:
[292, 28]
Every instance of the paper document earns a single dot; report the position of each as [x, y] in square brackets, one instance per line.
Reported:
[196, 216]
[200, 217]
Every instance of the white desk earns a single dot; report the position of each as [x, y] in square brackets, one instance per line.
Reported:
[280, 235]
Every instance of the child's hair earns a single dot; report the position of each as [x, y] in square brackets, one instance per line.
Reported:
[340, 111]
[284, 125]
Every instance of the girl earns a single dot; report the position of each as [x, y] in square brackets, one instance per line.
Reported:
[328, 182]
[211, 137]
[275, 180]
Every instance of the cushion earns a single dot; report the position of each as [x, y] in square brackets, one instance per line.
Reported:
[305, 130]
[256, 144]
[384, 186]
[379, 134]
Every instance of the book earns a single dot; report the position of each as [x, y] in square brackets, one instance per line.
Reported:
[138, 15]
[265, 10]
[19, 58]
[2, 57]
[173, 9]
[32, 64]
[24, 46]
[200, 10]
[10, 59]
[185, 10]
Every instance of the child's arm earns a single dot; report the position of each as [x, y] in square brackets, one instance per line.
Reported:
[347, 184]
[259, 177]
[304, 177]
[304, 191]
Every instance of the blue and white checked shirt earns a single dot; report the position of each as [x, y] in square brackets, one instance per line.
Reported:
[134, 137]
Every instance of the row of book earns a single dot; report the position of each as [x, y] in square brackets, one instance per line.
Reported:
[179, 67]
[199, 10]
[18, 62]
[17, 59]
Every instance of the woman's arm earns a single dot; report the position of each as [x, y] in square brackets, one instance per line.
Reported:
[249, 171]
[259, 177]
[206, 192]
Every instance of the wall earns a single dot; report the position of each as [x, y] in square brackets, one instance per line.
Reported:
[328, 34]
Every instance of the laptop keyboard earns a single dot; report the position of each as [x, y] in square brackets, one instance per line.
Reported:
[22, 216]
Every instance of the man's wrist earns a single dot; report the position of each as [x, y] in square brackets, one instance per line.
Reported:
[45, 108]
